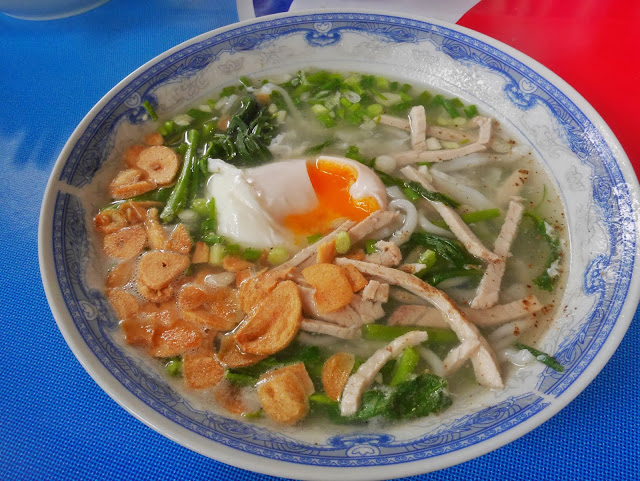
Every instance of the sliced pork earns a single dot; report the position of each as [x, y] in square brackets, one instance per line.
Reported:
[363, 377]
[484, 361]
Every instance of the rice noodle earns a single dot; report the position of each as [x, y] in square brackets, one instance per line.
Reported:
[394, 192]
[287, 99]
[430, 228]
[432, 359]
[403, 234]
[508, 334]
[460, 192]
[464, 163]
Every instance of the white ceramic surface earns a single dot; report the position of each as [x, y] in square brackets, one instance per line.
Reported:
[594, 176]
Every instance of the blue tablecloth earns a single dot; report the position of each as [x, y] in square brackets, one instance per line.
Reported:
[56, 422]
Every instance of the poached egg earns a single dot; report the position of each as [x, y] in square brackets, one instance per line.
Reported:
[281, 203]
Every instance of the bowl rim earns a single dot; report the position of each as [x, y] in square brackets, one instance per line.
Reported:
[141, 411]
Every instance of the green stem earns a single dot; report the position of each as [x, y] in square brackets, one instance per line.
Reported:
[381, 332]
[179, 194]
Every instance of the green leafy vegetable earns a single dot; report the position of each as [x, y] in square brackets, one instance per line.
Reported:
[448, 249]
[431, 195]
[316, 149]
[436, 278]
[424, 395]
[240, 379]
[543, 357]
[545, 230]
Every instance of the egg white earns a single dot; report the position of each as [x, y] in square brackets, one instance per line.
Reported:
[241, 216]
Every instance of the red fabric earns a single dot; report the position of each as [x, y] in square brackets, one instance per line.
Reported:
[592, 44]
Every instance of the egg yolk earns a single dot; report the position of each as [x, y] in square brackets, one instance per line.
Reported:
[331, 182]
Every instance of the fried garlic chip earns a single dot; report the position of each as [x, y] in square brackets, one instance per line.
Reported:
[283, 396]
[160, 163]
[216, 308]
[336, 372]
[202, 370]
[232, 356]
[273, 323]
[333, 289]
[120, 275]
[355, 277]
[175, 339]
[125, 304]
[256, 288]
[180, 240]
[126, 243]
[157, 269]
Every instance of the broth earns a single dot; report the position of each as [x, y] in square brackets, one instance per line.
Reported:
[340, 244]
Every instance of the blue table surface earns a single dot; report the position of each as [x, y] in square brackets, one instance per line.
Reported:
[56, 422]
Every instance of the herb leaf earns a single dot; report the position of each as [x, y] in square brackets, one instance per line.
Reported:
[543, 357]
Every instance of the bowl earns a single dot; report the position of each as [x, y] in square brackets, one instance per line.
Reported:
[580, 153]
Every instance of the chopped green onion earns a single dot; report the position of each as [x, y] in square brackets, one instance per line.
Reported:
[370, 246]
[174, 366]
[277, 256]
[471, 111]
[150, 110]
[543, 357]
[217, 252]
[382, 83]
[319, 109]
[343, 242]
[374, 110]
[326, 120]
[212, 239]
[251, 254]
[233, 249]
[428, 258]
[199, 204]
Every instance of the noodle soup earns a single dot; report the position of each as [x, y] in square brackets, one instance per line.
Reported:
[337, 244]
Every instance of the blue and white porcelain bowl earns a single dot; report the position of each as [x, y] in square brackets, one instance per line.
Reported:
[593, 175]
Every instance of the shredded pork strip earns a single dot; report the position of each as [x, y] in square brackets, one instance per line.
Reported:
[321, 327]
[489, 288]
[484, 361]
[363, 377]
[459, 355]
[424, 316]
[418, 122]
[453, 220]
[377, 220]
[512, 186]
